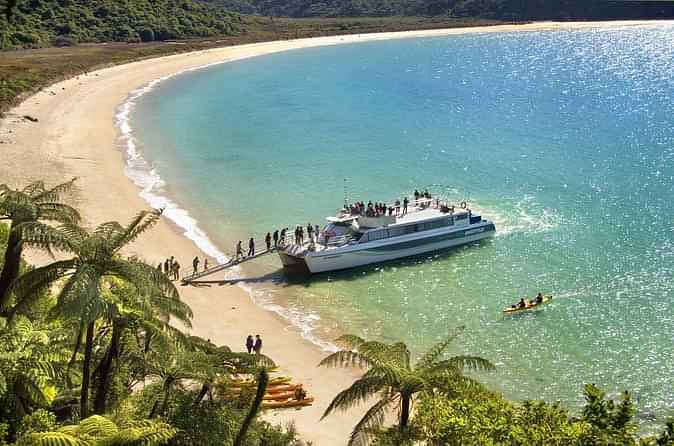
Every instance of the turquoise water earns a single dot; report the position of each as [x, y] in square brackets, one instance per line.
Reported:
[565, 139]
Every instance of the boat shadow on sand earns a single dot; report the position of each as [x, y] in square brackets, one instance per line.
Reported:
[279, 278]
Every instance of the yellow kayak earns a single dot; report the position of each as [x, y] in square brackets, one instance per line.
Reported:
[531, 306]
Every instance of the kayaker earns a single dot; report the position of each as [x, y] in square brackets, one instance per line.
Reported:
[539, 299]
[522, 303]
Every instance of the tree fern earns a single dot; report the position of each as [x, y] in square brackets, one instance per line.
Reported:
[33, 203]
[393, 379]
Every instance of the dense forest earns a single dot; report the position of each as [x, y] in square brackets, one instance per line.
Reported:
[513, 10]
[39, 23]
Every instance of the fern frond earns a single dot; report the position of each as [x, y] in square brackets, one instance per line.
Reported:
[437, 350]
[372, 420]
[141, 223]
[26, 287]
[56, 439]
[357, 393]
[345, 358]
[55, 194]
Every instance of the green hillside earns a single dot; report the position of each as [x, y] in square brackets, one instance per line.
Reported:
[491, 9]
[39, 23]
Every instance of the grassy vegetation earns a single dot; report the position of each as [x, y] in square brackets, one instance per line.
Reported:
[27, 71]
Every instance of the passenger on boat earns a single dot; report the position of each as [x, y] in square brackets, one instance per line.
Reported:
[283, 236]
[310, 232]
[522, 303]
[416, 196]
[267, 240]
[406, 201]
[239, 250]
[397, 207]
[539, 299]
[275, 236]
[317, 231]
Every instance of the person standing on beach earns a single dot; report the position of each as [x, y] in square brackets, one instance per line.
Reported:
[251, 247]
[276, 238]
[195, 264]
[267, 240]
[250, 344]
[258, 344]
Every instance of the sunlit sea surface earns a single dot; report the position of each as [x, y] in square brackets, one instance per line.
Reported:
[564, 138]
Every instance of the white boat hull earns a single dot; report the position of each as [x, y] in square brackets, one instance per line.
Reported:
[384, 250]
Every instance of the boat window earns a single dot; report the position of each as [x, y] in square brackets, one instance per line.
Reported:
[377, 235]
[397, 231]
[461, 216]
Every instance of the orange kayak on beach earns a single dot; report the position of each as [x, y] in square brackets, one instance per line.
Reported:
[289, 403]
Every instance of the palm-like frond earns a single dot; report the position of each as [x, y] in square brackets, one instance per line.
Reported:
[436, 352]
[371, 421]
[147, 279]
[40, 194]
[57, 439]
[146, 433]
[349, 341]
[97, 426]
[471, 363]
[81, 297]
[42, 236]
[357, 393]
[59, 212]
[27, 287]
[141, 223]
[345, 358]
[101, 431]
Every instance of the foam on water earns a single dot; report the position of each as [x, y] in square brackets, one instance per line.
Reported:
[151, 186]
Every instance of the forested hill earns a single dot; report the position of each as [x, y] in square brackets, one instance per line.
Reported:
[37, 23]
[492, 9]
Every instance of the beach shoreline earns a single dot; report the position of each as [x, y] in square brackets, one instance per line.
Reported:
[76, 136]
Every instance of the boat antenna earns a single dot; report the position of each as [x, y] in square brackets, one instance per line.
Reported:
[346, 195]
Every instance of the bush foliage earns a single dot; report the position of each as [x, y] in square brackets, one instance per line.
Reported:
[41, 23]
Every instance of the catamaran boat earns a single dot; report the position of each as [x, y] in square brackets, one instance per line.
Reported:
[353, 238]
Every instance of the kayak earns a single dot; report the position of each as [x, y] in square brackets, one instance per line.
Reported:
[283, 388]
[516, 309]
[279, 396]
[289, 403]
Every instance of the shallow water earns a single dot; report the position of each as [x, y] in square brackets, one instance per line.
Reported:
[563, 138]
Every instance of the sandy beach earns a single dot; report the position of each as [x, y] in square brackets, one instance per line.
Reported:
[76, 137]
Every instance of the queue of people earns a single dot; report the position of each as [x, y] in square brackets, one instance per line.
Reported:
[278, 239]
[170, 267]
